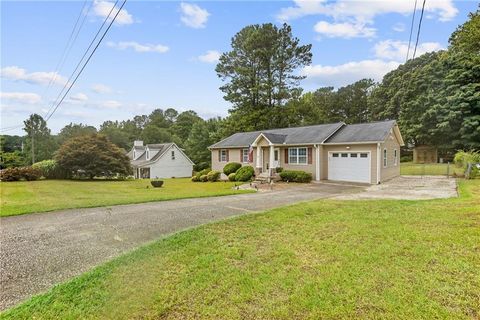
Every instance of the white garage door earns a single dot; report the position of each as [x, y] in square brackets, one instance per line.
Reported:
[349, 166]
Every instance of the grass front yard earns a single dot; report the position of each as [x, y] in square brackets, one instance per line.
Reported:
[324, 259]
[429, 169]
[47, 195]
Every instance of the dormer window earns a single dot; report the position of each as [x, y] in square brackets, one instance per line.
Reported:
[147, 154]
[134, 155]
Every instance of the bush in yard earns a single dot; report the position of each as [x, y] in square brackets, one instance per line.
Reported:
[278, 169]
[213, 175]
[463, 158]
[295, 176]
[16, 174]
[50, 169]
[203, 178]
[94, 155]
[231, 167]
[245, 173]
[231, 176]
[195, 179]
[203, 172]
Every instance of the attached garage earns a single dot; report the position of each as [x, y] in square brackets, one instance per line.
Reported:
[349, 166]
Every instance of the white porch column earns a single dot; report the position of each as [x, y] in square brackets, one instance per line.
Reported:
[259, 157]
[271, 159]
[317, 162]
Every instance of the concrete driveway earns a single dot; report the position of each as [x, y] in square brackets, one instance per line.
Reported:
[41, 250]
[408, 188]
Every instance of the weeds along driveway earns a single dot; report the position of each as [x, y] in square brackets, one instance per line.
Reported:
[40, 250]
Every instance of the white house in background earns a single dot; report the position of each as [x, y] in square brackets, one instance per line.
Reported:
[160, 160]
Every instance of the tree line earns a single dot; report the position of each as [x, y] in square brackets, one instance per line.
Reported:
[434, 97]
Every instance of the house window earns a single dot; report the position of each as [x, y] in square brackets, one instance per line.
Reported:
[384, 158]
[363, 155]
[335, 155]
[223, 155]
[245, 155]
[297, 155]
[147, 154]
[395, 157]
[344, 155]
[353, 155]
[173, 154]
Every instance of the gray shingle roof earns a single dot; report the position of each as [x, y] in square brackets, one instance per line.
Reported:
[156, 150]
[296, 135]
[328, 133]
[363, 132]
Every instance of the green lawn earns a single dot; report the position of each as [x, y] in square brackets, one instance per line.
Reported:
[328, 259]
[430, 169]
[46, 195]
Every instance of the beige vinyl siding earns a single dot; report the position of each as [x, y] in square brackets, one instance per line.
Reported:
[392, 170]
[310, 168]
[234, 155]
[372, 148]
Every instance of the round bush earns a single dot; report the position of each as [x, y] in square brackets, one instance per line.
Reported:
[50, 169]
[22, 173]
[245, 173]
[295, 176]
[231, 167]
[213, 175]
[203, 178]
[195, 179]
[203, 172]
[231, 176]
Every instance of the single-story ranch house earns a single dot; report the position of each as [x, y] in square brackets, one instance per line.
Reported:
[365, 152]
[162, 160]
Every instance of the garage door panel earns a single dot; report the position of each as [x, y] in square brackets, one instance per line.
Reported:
[349, 166]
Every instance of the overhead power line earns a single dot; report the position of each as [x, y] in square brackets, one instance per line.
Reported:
[419, 27]
[89, 57]
[411, 30]
[81, 60]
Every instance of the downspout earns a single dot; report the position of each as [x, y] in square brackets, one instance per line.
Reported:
[379, 162]
[317, 162]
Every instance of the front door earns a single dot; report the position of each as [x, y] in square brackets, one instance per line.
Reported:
[276, 158]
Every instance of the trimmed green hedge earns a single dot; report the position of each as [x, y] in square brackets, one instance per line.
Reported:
[231, 167]
[213, 175]
[231, 177]
[245, 173]
[295, 176]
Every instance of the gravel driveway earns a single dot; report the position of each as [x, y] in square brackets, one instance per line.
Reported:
[41, 250]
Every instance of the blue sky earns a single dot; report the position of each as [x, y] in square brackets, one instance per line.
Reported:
[162, 54]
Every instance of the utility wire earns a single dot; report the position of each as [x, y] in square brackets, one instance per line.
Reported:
[86, 62]
[68, 45]
[411, 30]
[419, 27]
[81, 60]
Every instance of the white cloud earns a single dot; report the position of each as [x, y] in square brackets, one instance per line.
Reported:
[101, 88]
[348, 73]
[398, 27]
[344, 30]
[22, 97]
[79, 97]
[111, 104]
[193, 16]
[211, 56]
[103, 8]
[43, 78]
[137, 47]
[397, 50]
[364, 10]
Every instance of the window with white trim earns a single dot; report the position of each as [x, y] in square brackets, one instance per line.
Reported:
[173, 154]
[395, 157]
[244, 155]
[147, 154]
[223, 155]
[384, 158]
[297, 155]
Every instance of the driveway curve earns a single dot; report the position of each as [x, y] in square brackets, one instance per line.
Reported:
[40, 250]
